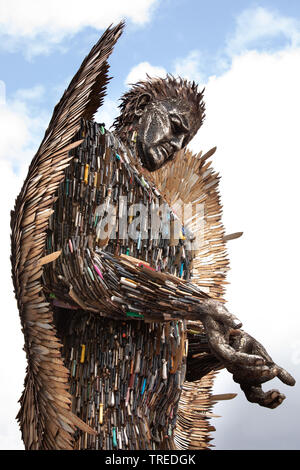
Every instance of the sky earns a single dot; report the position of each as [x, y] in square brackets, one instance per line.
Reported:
[247, 56]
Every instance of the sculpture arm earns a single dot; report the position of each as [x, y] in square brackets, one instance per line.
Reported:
[128, 288]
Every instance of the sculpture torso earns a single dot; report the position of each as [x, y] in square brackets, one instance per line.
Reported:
[125, 376]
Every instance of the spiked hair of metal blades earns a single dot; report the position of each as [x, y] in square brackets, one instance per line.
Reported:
[161, 89]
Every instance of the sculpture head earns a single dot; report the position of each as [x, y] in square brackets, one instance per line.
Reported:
[164, 114]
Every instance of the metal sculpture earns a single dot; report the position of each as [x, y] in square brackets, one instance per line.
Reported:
[124, 329]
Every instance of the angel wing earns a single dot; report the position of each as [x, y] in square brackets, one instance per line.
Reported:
[191, 180]
[45, 418]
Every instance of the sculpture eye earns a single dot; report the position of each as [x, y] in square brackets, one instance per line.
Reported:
[176, 124]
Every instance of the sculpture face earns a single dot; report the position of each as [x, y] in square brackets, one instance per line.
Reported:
[164, 128]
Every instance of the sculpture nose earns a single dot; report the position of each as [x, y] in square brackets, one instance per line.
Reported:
[177, 142]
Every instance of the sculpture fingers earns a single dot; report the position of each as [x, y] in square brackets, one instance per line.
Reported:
[273, 399]
[257, 347]
[273, 369]
[218, 339]
[228, 355]
[217, 311]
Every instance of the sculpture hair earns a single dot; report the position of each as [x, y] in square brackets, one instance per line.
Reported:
[160, 89]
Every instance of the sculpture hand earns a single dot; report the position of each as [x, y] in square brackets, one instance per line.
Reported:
[247, 360]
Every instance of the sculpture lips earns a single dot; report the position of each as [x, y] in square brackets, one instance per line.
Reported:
[165, 151]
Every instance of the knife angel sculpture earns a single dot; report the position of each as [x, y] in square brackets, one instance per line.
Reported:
[120, 294]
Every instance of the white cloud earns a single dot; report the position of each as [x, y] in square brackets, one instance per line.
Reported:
[252, 116]
[139, 72]
[39, 25]
[186, 67]
[255, 29]
[189, 67]
[259, 24]
[22, 123]
[108, 112]
[29, 94]
[2, 93]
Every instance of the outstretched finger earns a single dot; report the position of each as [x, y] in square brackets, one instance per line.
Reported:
[253, 375]
[285, 377]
